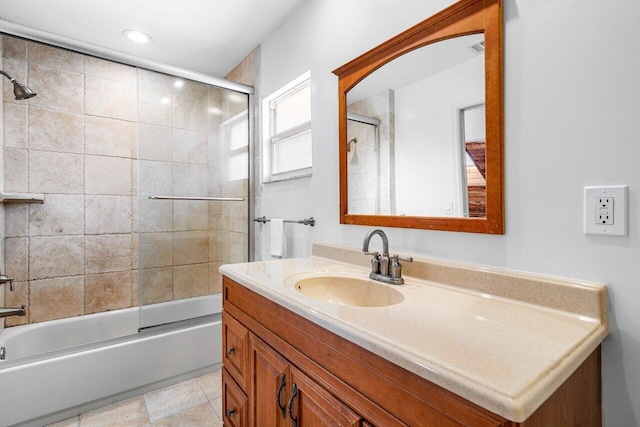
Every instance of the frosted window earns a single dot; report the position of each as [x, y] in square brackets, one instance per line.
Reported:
[239, 134]
[292, 153]
[293, 110]
[238, 166]
[287, 132]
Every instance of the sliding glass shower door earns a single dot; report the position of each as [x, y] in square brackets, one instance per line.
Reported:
[193, 182]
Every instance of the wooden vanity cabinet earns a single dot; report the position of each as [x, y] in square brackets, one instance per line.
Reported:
[285, 396]
[234, 402]
[235, 349]
[297, 374]
[270, 375]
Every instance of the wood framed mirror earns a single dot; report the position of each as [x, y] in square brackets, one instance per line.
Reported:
[421, 125]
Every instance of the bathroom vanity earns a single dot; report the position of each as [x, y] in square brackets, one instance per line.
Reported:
[457, 344]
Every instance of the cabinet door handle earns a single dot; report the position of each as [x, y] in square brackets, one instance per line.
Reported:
[283, 408]
[230, 412]
[230, 350]
[294, 392]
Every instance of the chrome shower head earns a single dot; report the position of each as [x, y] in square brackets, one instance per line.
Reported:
[19, 90]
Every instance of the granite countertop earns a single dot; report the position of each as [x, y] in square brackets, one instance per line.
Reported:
[507, 355]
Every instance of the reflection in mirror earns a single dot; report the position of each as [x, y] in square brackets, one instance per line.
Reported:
[416, 134]
[474, 179]
[369, 185]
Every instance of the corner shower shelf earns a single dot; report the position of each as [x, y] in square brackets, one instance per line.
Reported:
[21, 198]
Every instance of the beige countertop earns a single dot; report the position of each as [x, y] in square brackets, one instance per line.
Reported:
[506, 354]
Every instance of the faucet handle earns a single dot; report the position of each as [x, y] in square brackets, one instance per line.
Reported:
[375, 262]
[399, 258]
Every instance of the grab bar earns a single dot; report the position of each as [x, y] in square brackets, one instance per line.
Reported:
[6, 311]
[208, 199]
[307, 221]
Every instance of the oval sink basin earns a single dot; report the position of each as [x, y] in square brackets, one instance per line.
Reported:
[351, 291]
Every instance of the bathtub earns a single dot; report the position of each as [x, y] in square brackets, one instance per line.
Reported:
[61, 368]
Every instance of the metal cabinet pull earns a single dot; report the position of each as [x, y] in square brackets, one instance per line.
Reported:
[294, 392]
[283, 408]
[230, 350]
[230, 412]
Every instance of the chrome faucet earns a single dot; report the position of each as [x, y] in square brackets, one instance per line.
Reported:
[384, 268]
[6, 311]
[9, 280]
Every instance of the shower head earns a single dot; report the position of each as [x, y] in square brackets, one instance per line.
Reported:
[19, 90]
[353, 141]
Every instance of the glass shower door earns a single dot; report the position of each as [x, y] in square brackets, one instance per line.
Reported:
[193, 163]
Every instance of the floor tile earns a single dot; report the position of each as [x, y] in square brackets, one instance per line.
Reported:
[169, 401]
[129, 413]
[217, 406]
[211, 385]
[198, 416]
[70, 422]
[196, 402]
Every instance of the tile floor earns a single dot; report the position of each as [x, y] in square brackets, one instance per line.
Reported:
[195, 402]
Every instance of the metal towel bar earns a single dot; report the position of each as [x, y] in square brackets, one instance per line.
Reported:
[307, 221]
[207, 199]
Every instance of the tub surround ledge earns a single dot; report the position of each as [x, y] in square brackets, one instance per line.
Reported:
[502, 339]
[21, 197]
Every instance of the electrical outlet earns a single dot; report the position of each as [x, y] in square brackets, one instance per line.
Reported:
[448, 208]
[605, 210]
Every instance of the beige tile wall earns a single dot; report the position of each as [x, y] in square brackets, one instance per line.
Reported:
[78, 141]
[182, 152]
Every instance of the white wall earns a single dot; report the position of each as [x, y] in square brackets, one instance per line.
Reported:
[572, 100]
[427, 161]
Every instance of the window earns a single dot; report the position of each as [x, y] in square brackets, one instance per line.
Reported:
[236, 136]
[287, 131]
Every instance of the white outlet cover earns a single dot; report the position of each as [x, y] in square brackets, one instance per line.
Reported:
[592, 209]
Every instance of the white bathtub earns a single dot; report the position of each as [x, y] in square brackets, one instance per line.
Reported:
[61, 368]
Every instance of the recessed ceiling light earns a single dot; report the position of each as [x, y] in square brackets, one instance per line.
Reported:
[137, 36]
[165, 101]
[178, 83]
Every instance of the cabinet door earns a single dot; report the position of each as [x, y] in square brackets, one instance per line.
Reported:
[235, 345]
[312, 406]
[269, 385]
[235, 408]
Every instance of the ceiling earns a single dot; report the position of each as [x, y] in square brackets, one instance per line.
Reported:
[205, 36]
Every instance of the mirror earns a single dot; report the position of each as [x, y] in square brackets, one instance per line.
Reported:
[421, 125]
[416, 126]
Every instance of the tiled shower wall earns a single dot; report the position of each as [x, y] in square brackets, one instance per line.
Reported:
[183, 243]
[77, 142]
